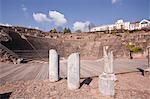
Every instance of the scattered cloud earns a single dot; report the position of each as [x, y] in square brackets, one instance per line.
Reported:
[33, 27]
[24, 8]
[40, 17]
[54, 16]
[83, 26]
[37, 28]
[58, 18]
[115, 1]
[5, 24]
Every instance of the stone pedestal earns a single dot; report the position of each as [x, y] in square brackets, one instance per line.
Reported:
[73, 75]
[107, 84]
[53, 66]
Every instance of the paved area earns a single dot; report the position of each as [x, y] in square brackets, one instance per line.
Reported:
[89, 68]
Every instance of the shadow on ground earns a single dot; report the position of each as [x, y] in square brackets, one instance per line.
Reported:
[5, 95]
[141, 70]
[87, 81]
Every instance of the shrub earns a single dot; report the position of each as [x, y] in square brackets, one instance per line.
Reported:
[53, 31]
[113, 33]
[136, 49]
[129, 46]
[133, 48]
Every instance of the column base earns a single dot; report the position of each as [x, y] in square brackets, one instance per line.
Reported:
[52, 79]
[107, 84]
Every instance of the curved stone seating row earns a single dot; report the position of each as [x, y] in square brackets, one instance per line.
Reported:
[10, 54]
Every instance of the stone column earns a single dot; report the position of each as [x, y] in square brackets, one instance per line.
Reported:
[148, 57]
[53, 66]
[107, 78]
[73, 76]
[108, 60]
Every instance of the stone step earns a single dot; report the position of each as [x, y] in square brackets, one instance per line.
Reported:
[13, 56]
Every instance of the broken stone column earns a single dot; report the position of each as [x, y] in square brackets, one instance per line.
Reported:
[73, 76]
[107, 78]
[108, 60]
[148, 57]
[53, 66]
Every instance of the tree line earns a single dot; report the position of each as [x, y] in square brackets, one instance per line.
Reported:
[65, 30]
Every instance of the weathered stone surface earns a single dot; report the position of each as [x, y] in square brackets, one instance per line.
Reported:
[108, 60]
[107, 84]
[53, 66]
[107, 78]
[73, 76]
[148, 56]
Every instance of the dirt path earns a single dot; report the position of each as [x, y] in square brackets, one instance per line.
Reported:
[128, 86]
[39, 71]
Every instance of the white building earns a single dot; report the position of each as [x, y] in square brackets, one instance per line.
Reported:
[135, 26]
[144, 23]
[139, 25]
[120, 24]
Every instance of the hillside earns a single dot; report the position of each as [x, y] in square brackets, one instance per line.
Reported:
[34, 44]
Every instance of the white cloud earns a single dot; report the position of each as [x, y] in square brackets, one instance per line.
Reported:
[114, 1]
[5, 24]
[54, 16]
[83, 26]
[58, 18]
[37, 28]
[40, 17]
[33, 27]
[24, 8]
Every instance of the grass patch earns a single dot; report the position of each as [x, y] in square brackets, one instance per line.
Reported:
[134, 48]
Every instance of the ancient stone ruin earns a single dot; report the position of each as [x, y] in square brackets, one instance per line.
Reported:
[89, 46]
[148, 56]
[108, 60]
[73, 76]
[107, 78]
[53, 65]
[66, 44]
[73, 64]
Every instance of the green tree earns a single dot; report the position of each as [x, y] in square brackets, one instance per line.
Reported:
[67, 30]
[53, 30]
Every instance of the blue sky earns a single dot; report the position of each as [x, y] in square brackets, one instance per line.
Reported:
[69, 13]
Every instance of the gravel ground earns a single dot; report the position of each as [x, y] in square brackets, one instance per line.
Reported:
[128, 86]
